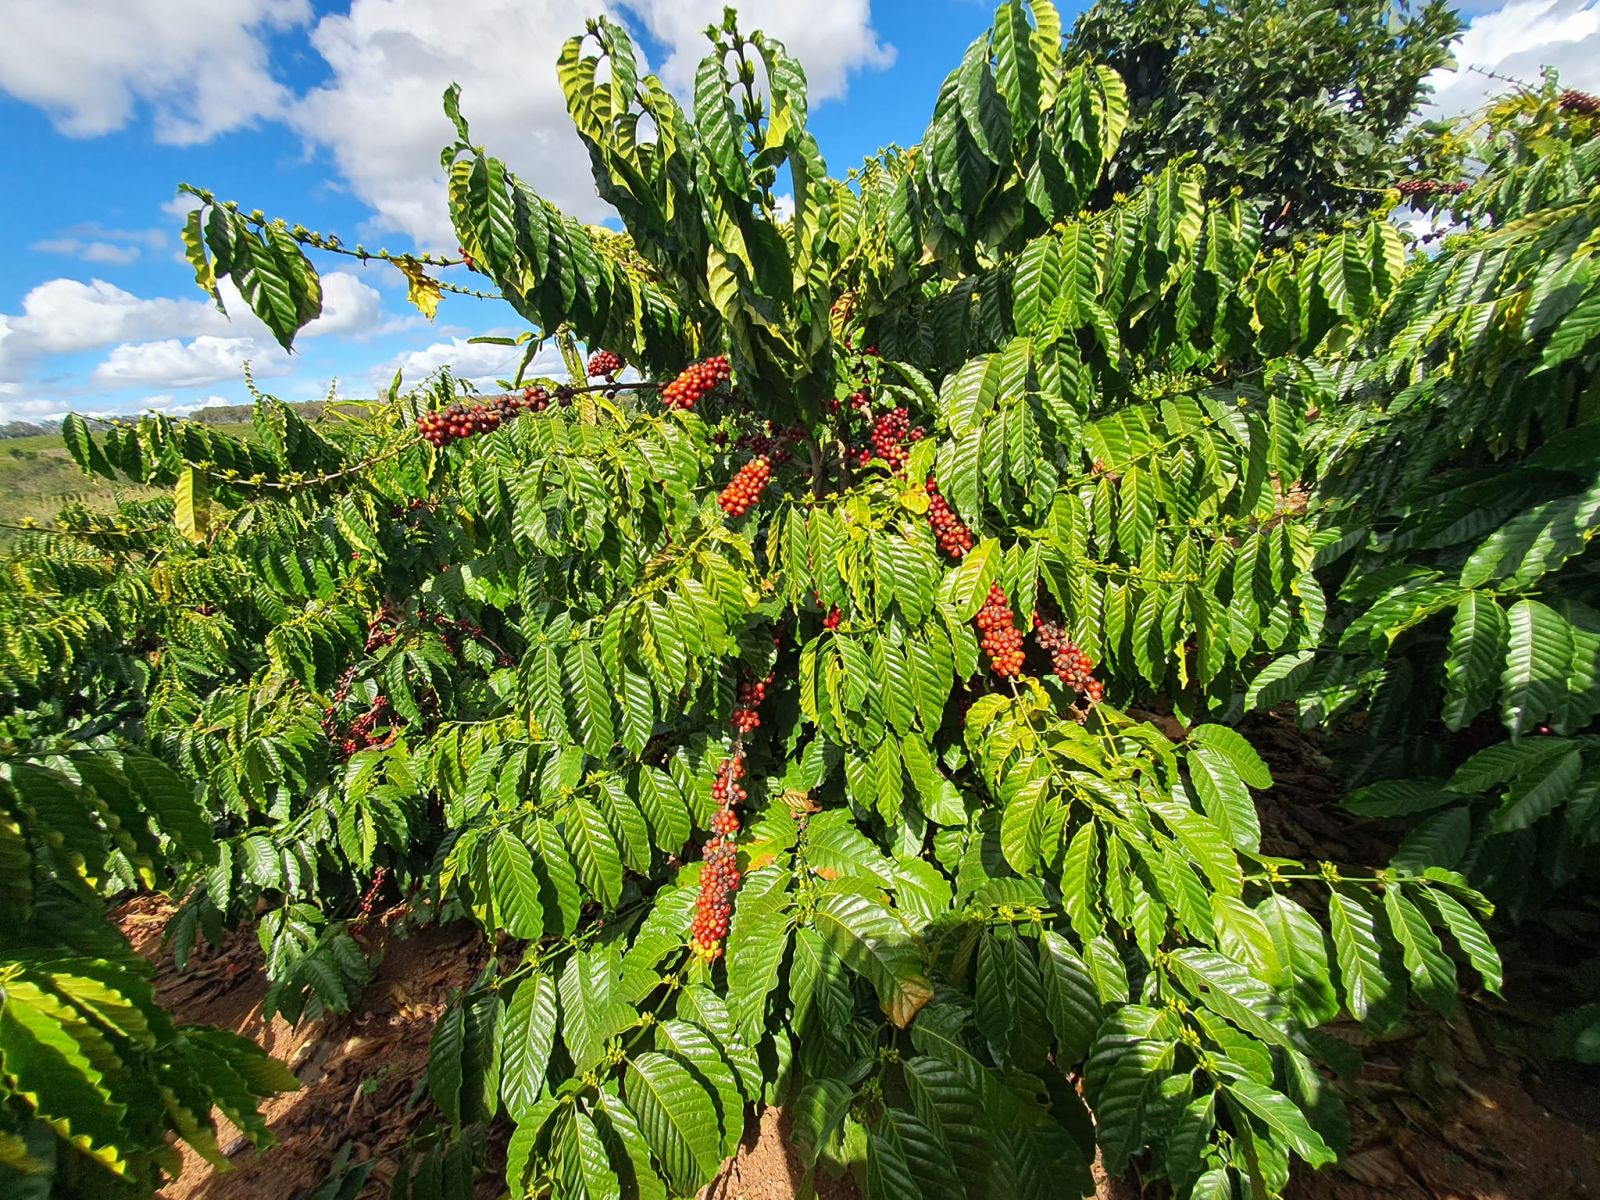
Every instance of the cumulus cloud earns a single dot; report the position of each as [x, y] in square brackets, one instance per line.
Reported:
[64, 316]
[201, 69]
[350, 308]
[1518, 41]
[95, 252]
[175, 363]
[95, 243]
[479, 363]
[379, 114]
[204, 69]
[61, 316]
[831, 38]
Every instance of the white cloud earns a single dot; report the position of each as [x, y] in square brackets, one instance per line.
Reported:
[201, 68]
[831, 38]
[1518, 41]
[380, 119]
[178, 364]
[174, 406]
[95, 243]
[97, 252]
[64, 316]
[31, 409]
[350, 308]
[479, 363]
[182, 204]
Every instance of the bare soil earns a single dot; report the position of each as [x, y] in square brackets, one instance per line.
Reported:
[358, 1071]
[1463, 1111]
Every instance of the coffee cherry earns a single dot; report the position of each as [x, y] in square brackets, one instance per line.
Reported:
[1072, 666]
[1580, 103]
[751, 693]
[535, 399]
[999, 635]
[603, 362]
[694, 382]
[744, 489]
[1424, 188]
[955, 539]
[439, 429]
[888, 433]
[719, 876]
[831, 621]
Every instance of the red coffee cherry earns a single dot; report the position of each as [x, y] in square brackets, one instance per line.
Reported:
[751, 693]
[744, 489]
[888, 435]
[719, 877]
[695, 381]
[1580, 103]
[460, 420]
[1424, 188]
[603, 362]
[955, 539]
[999, 635]
[1072, 666]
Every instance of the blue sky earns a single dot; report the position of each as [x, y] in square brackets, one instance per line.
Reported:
[327, 113]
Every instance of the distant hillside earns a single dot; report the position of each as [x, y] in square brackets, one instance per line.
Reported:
[22, 429]
[216, 414]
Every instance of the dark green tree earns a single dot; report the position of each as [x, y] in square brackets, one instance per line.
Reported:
[1298, 105]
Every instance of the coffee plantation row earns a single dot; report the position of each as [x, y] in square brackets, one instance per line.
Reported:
[772, 689]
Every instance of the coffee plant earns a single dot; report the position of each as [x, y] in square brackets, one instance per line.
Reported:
[769, 688]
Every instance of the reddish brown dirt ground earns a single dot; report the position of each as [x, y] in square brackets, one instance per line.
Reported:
[1458, 1112]
[358, 1071]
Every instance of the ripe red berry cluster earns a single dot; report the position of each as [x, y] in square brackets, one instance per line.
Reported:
[719, 877]
[603, 362]
[888, 437]
[955, 539]
[370, 899]
[744, 489]
[1000, 637]
[361, 733]
[831, 621]
[406, 511]
[341, 689]
[452, 631]
[535, 399]
[695, 381]
[751, 693]
[1581, 103]
[1072, 666]
[456, 422]
[1424, 188]
[775, 444]
[380, 630]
